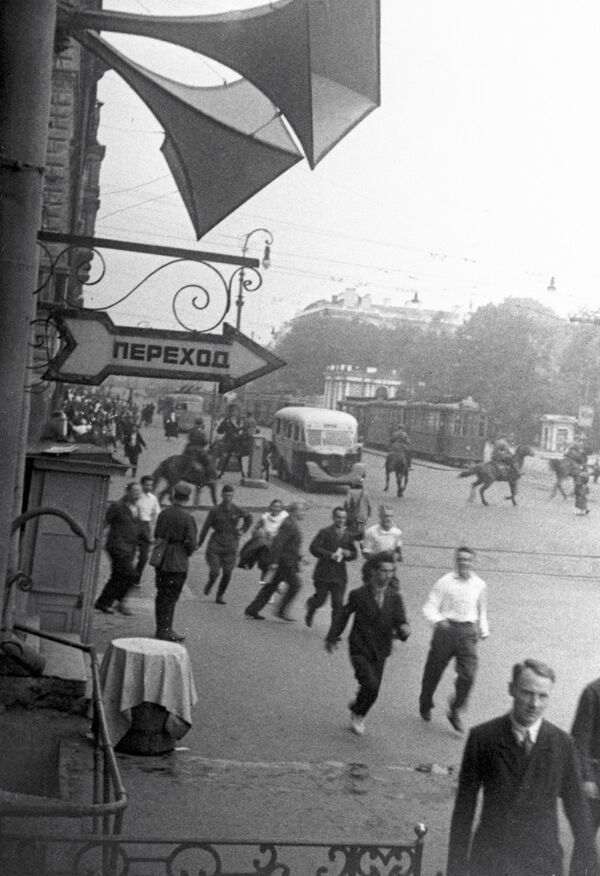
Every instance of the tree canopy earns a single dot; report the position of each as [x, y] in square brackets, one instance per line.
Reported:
[517, 359]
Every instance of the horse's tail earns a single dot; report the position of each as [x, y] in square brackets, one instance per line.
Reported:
[468, 472]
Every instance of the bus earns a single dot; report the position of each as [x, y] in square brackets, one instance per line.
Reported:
[188, 408]
[315, 446]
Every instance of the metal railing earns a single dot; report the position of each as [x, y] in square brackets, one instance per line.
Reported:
[109, 799]
[92, 856]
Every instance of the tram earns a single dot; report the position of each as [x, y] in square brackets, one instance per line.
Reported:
[450, 432]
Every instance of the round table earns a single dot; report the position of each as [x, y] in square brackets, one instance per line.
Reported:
[148, 692]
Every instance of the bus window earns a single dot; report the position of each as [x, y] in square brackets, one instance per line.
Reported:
[296, 433]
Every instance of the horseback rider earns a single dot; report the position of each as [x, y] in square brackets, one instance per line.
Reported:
[503, 455]
[197, 435]
[400, 442]
[577, 453]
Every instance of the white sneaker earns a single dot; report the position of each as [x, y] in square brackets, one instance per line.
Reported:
[357, 725]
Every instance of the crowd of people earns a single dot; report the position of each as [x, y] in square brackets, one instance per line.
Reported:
[101, 418]
[520, 763]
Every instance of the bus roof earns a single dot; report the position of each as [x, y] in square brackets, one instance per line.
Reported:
[317, 416]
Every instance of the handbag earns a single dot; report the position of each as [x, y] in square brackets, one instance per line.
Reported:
[158, 552]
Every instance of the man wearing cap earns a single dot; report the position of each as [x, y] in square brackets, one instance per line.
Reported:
[178, 528]
[227, 522]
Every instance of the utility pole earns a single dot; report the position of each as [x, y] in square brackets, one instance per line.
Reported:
[27, 29]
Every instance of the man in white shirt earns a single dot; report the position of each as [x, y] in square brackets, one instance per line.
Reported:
[148, 509]
[383, 537]
[457, 608]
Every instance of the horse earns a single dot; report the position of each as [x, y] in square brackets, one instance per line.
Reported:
[563, 468]
[486, 473]
[396, 462]
[182, 468]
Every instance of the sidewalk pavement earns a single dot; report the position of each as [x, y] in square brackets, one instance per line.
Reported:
[30, 738]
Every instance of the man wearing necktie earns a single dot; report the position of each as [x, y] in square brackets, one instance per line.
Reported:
[379, 617]
[523, 764]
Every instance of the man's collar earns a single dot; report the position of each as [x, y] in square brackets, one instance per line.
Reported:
[519, 730]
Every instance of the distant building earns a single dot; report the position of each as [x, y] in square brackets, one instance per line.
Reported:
[342, 381]
[350, 305]
[558, 432]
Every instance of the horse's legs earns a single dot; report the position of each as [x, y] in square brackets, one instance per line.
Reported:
[387, 479]
[399, 483]
[240, 460]
[482, 490]
[474, 486]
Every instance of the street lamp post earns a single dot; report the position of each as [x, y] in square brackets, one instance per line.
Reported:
[266, 263]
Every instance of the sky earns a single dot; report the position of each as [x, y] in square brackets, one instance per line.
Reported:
[476, 179]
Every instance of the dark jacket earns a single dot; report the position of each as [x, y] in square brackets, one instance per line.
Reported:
[324, 544]
[285, 549]
[586, 732]
[517, 834]
[124, 529]
[374, 628]
[225, 523]
[179, 528]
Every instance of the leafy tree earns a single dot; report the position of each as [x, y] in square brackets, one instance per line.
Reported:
[506, 360]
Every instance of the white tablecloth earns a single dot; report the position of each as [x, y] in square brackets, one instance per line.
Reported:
[139, 670]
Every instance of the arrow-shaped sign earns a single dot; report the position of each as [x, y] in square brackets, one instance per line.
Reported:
[94, 347]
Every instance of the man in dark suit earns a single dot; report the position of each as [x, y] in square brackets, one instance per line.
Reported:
[523, 764]
[379, 616]
[284, 560]
[333, 546]
[586, 734]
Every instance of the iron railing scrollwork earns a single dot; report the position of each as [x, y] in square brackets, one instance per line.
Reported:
[201, 294]
[96, 856]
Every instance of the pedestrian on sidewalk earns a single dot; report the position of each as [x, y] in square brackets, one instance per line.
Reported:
[148, 508]
[379, 617]
[457, 608]
[582, 491]
[522, 764]
[177, 528]
[284, 561]
[357, 505]
[228, 522]
[133, 445]
[122, 541]
[333, 546]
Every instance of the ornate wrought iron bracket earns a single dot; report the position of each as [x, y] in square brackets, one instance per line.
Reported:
[210, 294]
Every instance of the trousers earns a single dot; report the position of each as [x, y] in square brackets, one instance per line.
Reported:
[289, 574]
[168, 590]
[458, 640]
[368, 672]
[322, 590]
[122, 579]
[220, 559]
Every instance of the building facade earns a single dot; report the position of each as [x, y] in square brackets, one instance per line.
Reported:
[71, 193]
[342, 381]
[350, 305]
